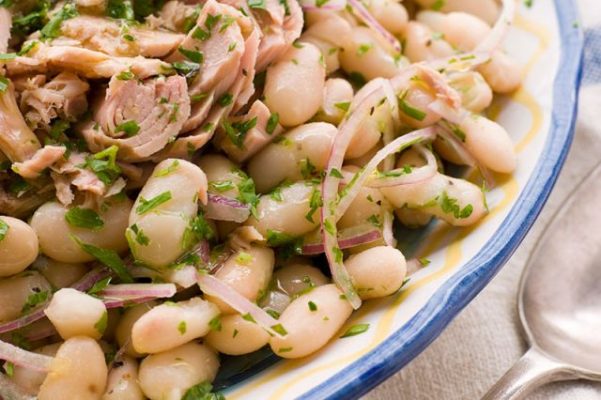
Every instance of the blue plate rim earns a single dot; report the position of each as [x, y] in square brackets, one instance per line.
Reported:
[406, 343]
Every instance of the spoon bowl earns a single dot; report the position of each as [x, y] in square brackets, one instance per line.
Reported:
[560, 299]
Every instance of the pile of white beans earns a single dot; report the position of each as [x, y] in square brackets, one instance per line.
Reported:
[167, 347]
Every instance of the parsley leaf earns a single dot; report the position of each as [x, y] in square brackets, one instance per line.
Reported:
[236, 131]
[130, 128]
[3, 229]
[356, 330]
[34, 300]
[84, 218]
[53, 28]
[148, 205]
[99, 286]
[107, 257]
[202, 391]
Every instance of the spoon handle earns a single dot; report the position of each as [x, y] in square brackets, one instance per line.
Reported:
[532, 370]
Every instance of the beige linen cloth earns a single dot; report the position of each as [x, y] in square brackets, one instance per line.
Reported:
[485, 339]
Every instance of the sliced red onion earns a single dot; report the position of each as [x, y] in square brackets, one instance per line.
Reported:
[416, 175]
[463, 153]
[213, 286]
[119, 303]
[397, 145]
[330, 185]
[499, 31]
[89, 279]
[23, 321]
[24, 358]
[223, 208]
[456, 116]
[387, 225]
[139, 290]
[347, 238]
[364, 15]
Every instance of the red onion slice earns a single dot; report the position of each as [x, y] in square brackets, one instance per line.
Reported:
[213, 286]
[387, 225]
[139, 290]
[330, 185]
[416, 175]
[223, 208]
[456, 116]
[89, 279]
[374, 25]
[23, 321]
[347, 238]
[24, 358]
[499, 31]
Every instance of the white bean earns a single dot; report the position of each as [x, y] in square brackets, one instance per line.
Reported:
[172, 324]
[367, 55]
[55, 233]
[237, 336]
[60, 274]
[488, 10]
[298, 278]
[377, 272]
[453, 200]
[123, 381]
[503, 74]
[366, 208]
[168, 375]
[370, 131]
[487, 141]
[124, 327]
[74, 313]
[311, 320]
[301, 151]
[78, 372]
[475, 93]
[29, 379]
[329, 52]
[294, 84]
[221, 173]
[330, 35]
[248, 271]
[421, 44]
[287, 215]
[463, 31]
[15, 291]
[179, 185]
[337, 97]
[412, 218]
[18, 246]
[391, 14]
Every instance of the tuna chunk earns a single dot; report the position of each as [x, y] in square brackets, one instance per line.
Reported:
[64, 96]
[5, 25]
[94, 64]
[139, 117]
[110, 37]
[42, 159]
[17, 141]
[173, 16]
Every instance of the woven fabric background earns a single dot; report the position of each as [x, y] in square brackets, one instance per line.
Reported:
[485, 339]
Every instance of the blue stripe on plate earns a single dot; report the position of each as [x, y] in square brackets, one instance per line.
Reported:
[406, 343]
[592, 57]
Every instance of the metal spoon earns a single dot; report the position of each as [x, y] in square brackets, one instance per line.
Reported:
[560, 299]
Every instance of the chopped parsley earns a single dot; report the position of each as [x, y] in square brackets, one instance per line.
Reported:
[7, 56]
[126, 75]
[410, 111]
[226, 99]
[307, 168]
[84, 218]
[101, 324]
[149, 205]
[257, 4]
[99, 286]
[277, 238]
[110, 258]
[424, 261]
[35, 299]
[186, 68]
[315, 202]
[53, 28]
[120, 9]
[192, 55]
[312, 306]
[237, 131]
[202, 391]
[249, 318]
[215, 324]
[104, 165]
[140, 237]
[167, 171]
[182, 327]
[244, 258]
[279, 328]
[130, 128]
[3, 230]
[343, 105]
[4, 82]
[222, 186]
[272, 123]
[9, 368]
[284, 349]
[364, 48]
[356, 330]
[450, 206]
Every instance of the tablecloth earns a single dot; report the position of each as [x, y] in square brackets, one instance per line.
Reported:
[485, 339]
